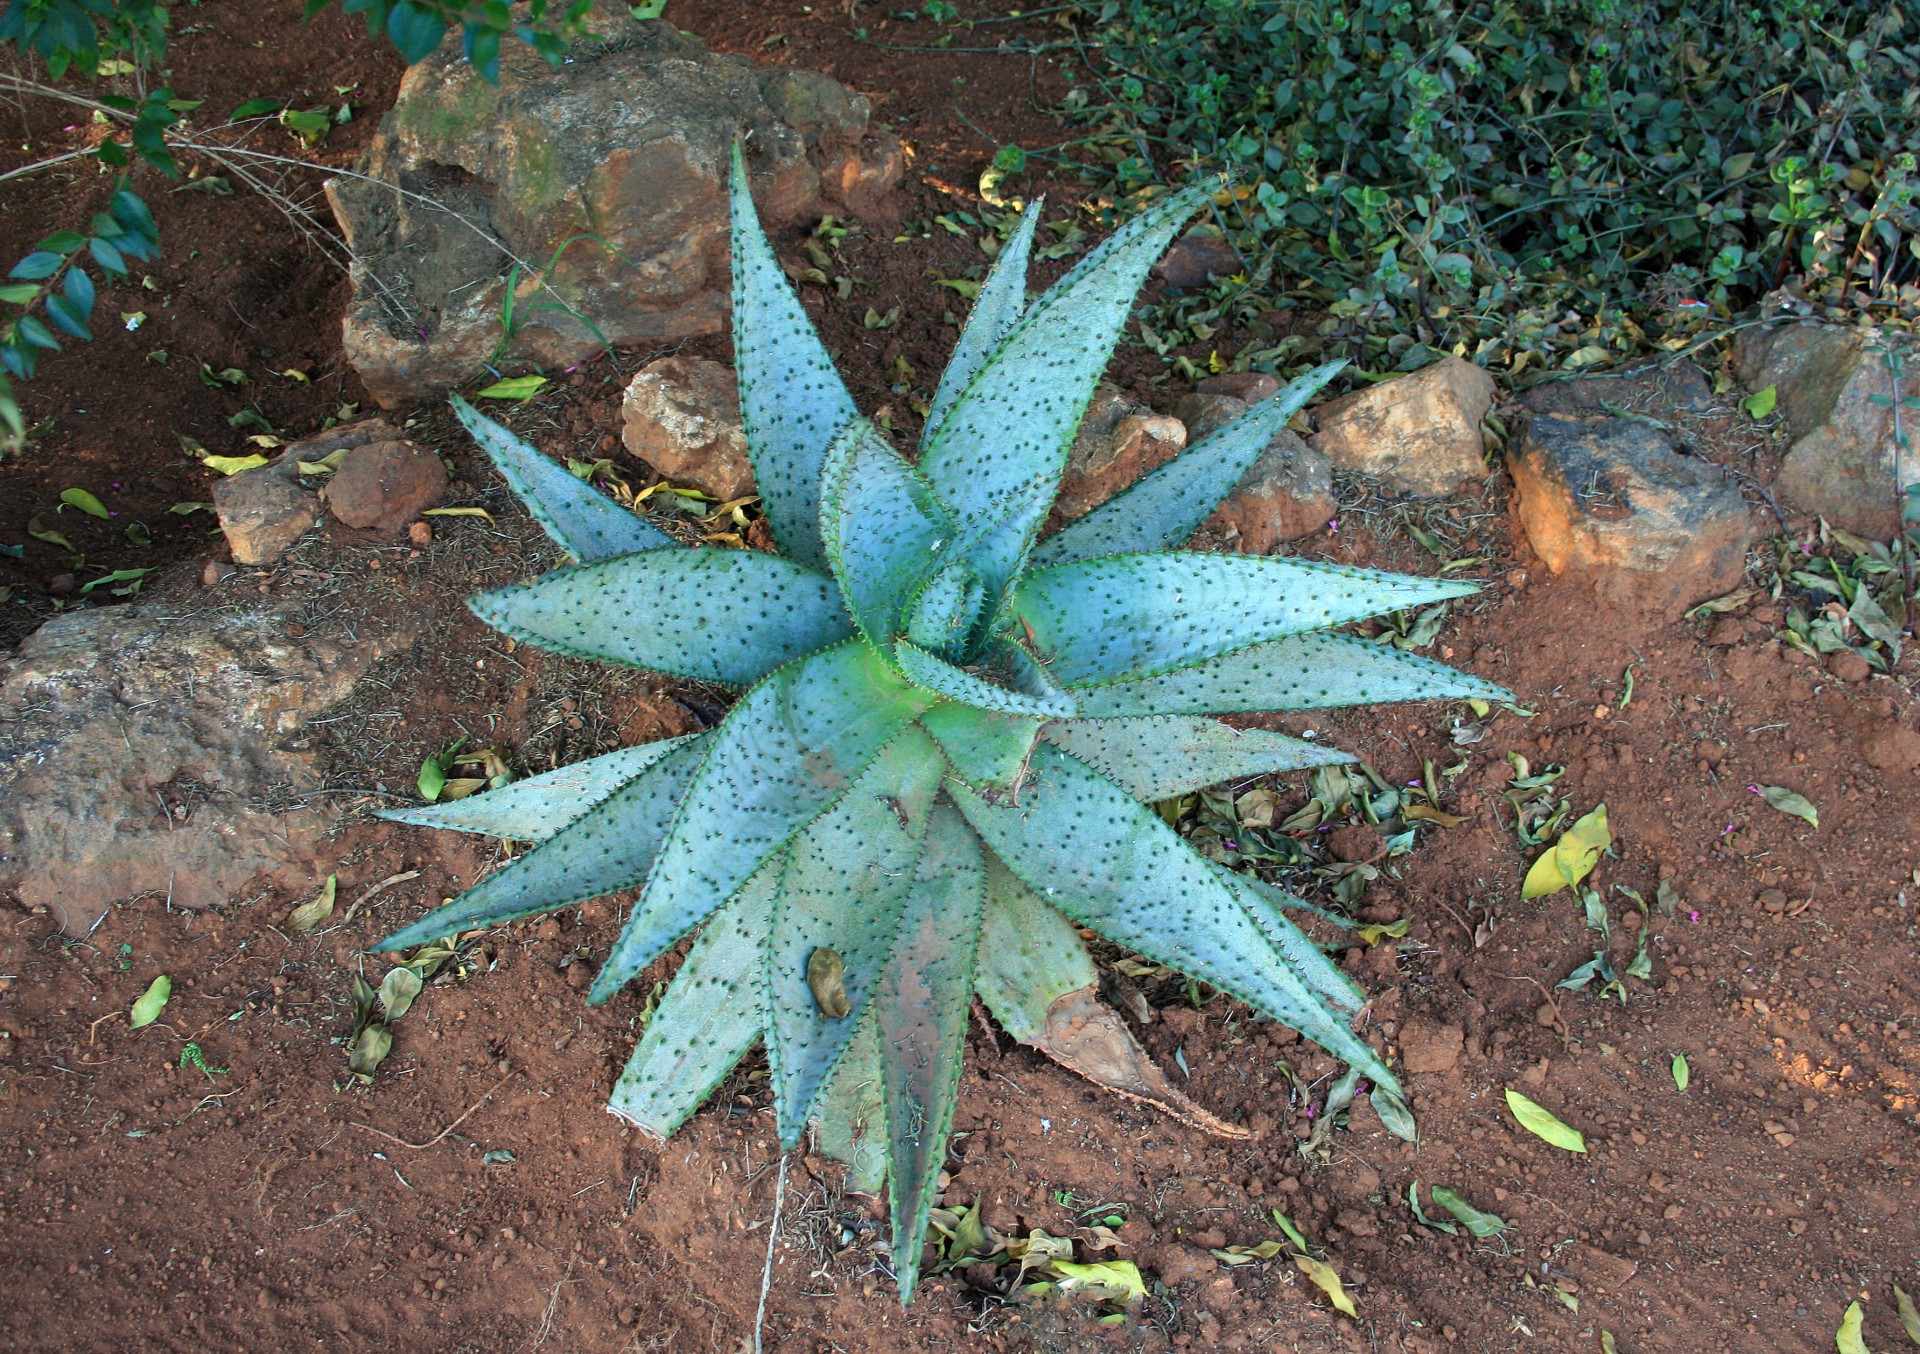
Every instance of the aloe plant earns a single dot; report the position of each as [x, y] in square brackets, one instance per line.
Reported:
[949, 733]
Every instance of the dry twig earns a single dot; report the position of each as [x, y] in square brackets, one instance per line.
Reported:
[436, 1138]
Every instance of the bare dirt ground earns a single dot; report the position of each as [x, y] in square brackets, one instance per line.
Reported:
[476, 1197]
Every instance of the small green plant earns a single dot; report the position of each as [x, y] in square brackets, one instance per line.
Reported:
[950, 732]
[192, 1056]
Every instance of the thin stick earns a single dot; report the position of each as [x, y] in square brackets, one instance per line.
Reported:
[435, 1139]
[376, 890]
[773, 1235]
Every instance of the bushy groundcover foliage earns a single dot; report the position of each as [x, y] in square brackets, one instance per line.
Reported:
[1476, 167]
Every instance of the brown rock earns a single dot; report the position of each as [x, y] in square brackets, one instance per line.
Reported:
[1893, 747]
[1248, 386]
[381, 486]
[215, 572]
[1600, 1268]
[1176, 1263]
[1826, 378]
[1356, 1223]
[1609, 498]
[1205, 413]
[1356, 843]
[1196, 258]
[263, 511]
[1286, 494]
[619, 153]
[1419, 433]
[1428, 1046]
[1117, 443]
[682, 417]
[1849, 666]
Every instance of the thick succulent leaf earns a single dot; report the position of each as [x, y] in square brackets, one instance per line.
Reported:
[997, 457]
[1111, 864]
[707, 613]
[847, 879]
[1156, 757]
[1129, 616]
[581, 520]
[882, 528]
[1302, 672]
[988, 750]
[941, 618]
[533, 809]
[1002, 300]
[1162, 509]
[1266, 905]
[1030, 956]
[787, 752]
[850, 1117]
[921, 1018]
[792, 401]
[711, 1014]
[609, 847]
[942, 678]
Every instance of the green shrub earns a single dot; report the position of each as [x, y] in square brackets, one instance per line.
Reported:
[1475, 169]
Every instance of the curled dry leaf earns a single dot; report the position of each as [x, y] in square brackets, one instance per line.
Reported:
[1909, 1318]
[1327, 1279]
[1091, 1039]
[310, 914]
[369, 1051]
[397, 991]
[1112, 1281]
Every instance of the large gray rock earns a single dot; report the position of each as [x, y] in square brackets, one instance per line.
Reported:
[1661, 388]
[1610, 499]
[1420, 434]
[628, 142]
[146, 751]
[1841, 462]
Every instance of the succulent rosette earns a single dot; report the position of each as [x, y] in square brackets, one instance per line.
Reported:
[949, 731]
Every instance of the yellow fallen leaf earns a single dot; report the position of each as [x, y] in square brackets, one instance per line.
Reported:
[1570, 859]
[232, 465]
[1113, 1281]
[1909, 1318]
[458, 512]
[151, 1003]
[1379, 931]
[1848, 1339]
[1543, 1124]
[1327, 1279]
